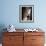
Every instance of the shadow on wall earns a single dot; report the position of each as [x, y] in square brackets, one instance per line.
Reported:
[2, 26]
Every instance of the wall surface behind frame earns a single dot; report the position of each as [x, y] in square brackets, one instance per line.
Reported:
[9, 13]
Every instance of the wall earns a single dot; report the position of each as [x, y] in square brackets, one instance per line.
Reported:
[10, 13]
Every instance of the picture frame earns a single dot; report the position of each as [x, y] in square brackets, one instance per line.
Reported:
[26, 13]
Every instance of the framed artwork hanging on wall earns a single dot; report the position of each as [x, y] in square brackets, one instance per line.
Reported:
[26, 13]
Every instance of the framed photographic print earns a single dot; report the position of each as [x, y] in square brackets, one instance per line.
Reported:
[26, 13]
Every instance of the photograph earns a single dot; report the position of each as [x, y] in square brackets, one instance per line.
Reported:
[26, 13]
